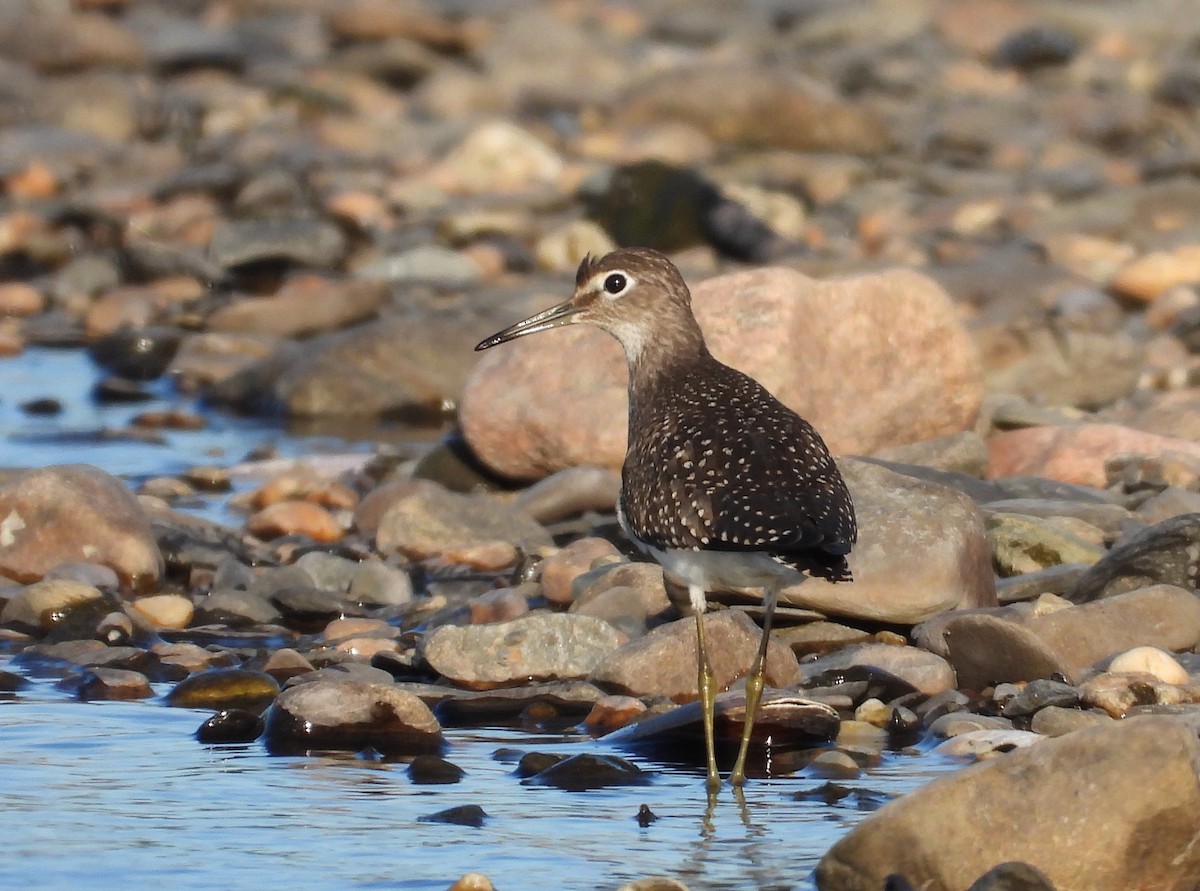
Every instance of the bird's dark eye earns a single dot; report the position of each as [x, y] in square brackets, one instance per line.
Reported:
[615, 283]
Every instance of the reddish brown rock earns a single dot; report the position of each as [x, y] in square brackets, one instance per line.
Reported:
[663, 663]
[20, 299]
[613, 712]
[885, 361]
[560, 570]
[1151, 275]
[1106, 809]
[75, 512]
[1075, 454]
[295, 518]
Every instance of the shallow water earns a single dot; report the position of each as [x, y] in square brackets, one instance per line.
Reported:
[117, 795]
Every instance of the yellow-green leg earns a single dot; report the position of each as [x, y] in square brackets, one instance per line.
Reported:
[754, 684]
[707, 686]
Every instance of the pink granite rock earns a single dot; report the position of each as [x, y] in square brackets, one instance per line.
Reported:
[872, 361]
[76, 512]
[1076, 453]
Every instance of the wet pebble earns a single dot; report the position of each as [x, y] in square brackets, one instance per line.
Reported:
[295, 518]
[90, 511]
[164, 610]
[231, 725]
[663, 663]
[113, 683]
[137, 354]
[432, 770]
[579, 773]
[40, 607]
[224, 688]
[461, 815]
[349, 715]
[540, 645]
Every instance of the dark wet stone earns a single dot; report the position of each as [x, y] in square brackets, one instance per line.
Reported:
[310, 609]
[231, 725]
[218, 177]
[137, 354]
[1013, 876]
[271, 636]
[10, 682]
[112, 390]
[533, 763]
[860, 682]
[251, 243]
[1180, 86]
[328, 571]
[238, 609]
[57, 609]
[1165, 553]
[462, 815]
[1037, 695]
[207, 478]
[434, 770]
[188, 543]
[452, 464]
[175, 45]
[43, 406]
[58, 658]
[784, 722]
[115, 629]
[903, 723]
[350, 716]
[225, 688]
[652, 204]
[645, 816]
[578, 773]
[832, 793]
[1036, 47]
[113, 683]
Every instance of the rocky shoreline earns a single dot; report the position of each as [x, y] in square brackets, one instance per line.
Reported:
[962, 239]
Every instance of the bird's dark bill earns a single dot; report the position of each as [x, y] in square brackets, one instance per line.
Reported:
[554, 317]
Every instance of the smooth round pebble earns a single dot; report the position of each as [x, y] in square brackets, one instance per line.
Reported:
[1150, 660]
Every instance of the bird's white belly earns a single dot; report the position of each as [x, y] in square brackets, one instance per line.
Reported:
[709, 569]
[723, 569]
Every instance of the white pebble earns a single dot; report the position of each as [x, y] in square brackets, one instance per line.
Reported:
[1150, 660]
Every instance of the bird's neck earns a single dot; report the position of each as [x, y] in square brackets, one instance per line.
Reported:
[664, 353]
[659, 369]
[668, 344]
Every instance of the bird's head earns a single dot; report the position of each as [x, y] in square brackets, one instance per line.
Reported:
[635, 294]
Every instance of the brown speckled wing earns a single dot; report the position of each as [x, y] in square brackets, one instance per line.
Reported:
[718, 463]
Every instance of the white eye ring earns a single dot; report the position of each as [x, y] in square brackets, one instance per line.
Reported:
[611, 285]
[615, 283]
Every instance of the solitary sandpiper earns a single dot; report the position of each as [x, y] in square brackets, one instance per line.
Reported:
[722, 484]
